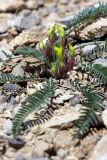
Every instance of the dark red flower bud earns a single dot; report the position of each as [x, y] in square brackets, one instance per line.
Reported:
[70, 63]
[48, 49]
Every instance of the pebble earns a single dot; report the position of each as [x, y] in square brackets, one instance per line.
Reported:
[61, 153]
[2, 98]
[87, 49]
[105, 103]
[100, 150]
[40, 148]
[31, 4]
[24, 38]
[64, 2]
[18, 70]
[75, 100]
[7, 127]
[3, 106]
[22, 20]
[104, 117]
[58, 101]
[40, 3]
[10, 87]
[11, 5]
[19, 157]
[16, 143]
[4, 22]
[43, 12]
[77, 107]
[40, 158]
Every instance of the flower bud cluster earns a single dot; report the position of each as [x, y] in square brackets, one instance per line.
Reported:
[58, 51]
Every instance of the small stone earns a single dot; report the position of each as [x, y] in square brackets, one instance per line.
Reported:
[3, 106]
[18, 70]
[16, 143]
[87, 49]
[31, 4]
[4, 21]
[17, 98]
[43, 12]
[40, 148]
[52, 18]
[2, 98]
[22, 20]
[10, 87]
[100, 150]
[104, 117]
[60, 141]
[58, 92]
[8, 127]
[62, 152]
[97, 30]
[77, 107]
[58, 101]
[25, 38]
[11, 5]
[64, 2]
[30, 91]
[105, 103]
[40, 158]
[71, 157]
[66, 97]
[40, 3]
[75, 100]
[55, 158]
[19, 157]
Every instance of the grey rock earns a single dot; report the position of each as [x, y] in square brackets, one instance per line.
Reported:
[58, 92]
[2, 98]
[64, 2]
[8, 126]
[102, 61]
[104, 117]
[40, 148]
[18, 70]
[31, 4]
[75, 100]
[26, 19]
[3, 106]
[19, 157]
[5, 22]
[62, 152]
[40, 158]
[105, 103]
[52, 9]
[97, 29]
[66, 96]
[40, 3]
[58, 101]
[100, 150]
[87, 49]
[24, 38]
[11, 5]
[12, 102]
[10, 87]
[77, 107]
[43, 12]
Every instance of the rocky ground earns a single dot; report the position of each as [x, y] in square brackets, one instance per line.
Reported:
[26, 22]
